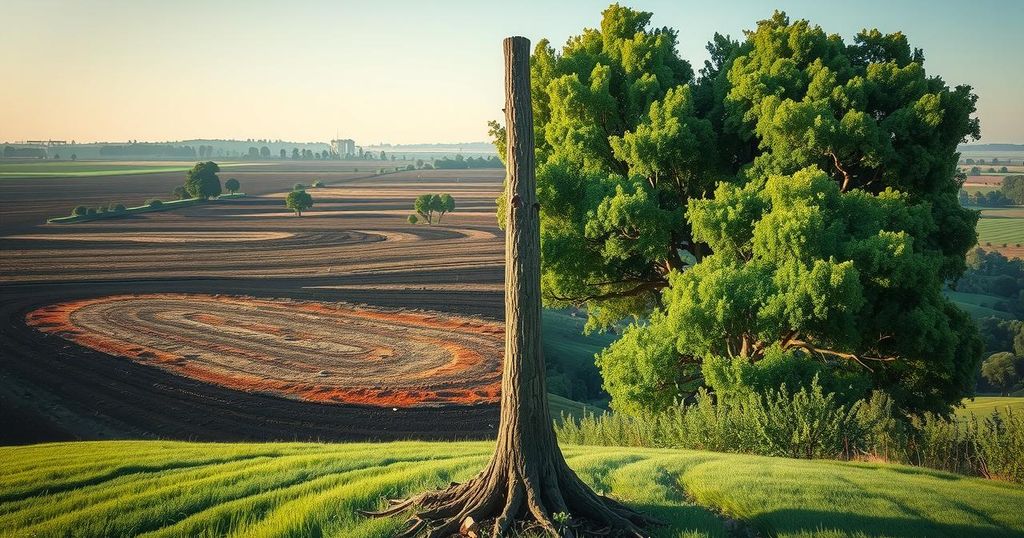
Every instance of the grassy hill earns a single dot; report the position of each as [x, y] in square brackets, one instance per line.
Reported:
[160, 488]
[983, 406]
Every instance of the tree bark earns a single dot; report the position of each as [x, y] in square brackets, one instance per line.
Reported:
[527, 481]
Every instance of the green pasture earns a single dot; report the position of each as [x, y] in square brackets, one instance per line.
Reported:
[984, 406]
[162, 488]
[89, 168]
[1004, 225]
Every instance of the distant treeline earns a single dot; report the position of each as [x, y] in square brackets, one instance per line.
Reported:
[11, 152]
[148, 150]
[459, 163]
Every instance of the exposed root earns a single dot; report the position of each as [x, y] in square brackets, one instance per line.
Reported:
[509, 500]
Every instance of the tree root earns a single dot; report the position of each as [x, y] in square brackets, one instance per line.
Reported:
[558, 503]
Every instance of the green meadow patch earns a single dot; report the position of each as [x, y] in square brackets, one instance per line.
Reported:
[160, 488]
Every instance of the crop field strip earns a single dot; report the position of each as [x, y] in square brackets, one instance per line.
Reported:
[308, 351]
[161, 488]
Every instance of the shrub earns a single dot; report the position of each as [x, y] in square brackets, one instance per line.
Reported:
[118, 208]
[298, 187]
[90, 211]
[318, 184]
[154, 203]
[101, 209]
[413, 219]
[79, 210]
[410, 167]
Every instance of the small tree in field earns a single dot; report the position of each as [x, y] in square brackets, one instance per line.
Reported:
[179, 192]
[318, 184]
[413, 219]
[424, 207]
[232, 185]
[443, 203]
[79, 211]
[298, 201]
[202, 181]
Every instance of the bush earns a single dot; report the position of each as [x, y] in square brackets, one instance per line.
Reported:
[118, 208]
[298, 187]
[318, 184]
[79, 211]
[814, 424]
[154, 203]
[413, 219]
[101, 209]
[90, 211]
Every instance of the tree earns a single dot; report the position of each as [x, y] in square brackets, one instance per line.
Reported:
[975, 171]
[254, 153]
[298, 201]
[1013, 188]
[1002, 371]
[443, 203]
[79, 211]
[74, 157]
[284, 154]
[295, 154]
[413, 219]
[264, 152]
[298, 187]
[317, 184]
[423, 205]
[796, 205]
[527, 477]
[202, 181]
[419, 163]
[232, 185]
[180, 193]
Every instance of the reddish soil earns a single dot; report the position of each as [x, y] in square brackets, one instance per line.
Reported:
[330, 353]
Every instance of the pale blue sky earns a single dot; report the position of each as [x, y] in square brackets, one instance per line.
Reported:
[395, 71]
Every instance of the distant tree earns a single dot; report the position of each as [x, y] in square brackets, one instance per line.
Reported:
[298, 187]
[254, 153]
[1013, 188]
[119, 208]
[1002, 371]
[410, 167]
[317, 184]
[991, 170]
[413, 219]
[232, 185]
[965, 197]
[427, 166]
[981, 161]
[1003, 170]
[284, 154]
[995, 160]
[424, 207]
[74, 157]
[202, 180]
[975, 171]
[298, 201]
[445, 203]
[79, 210]
[382, 155]
[969, 161]
[154, 203]
[264, 152]
[56, 156]
[179, 193]
[419, 163]
[295, 154]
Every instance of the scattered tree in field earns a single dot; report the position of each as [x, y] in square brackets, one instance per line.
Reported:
[413, 219]
[443, 203]
[154, 203]
[284, 154]
[179, 193]
[1013, 188]
[410, 167]
[74, 157]
[1002, 371]
[298, 201]
[79, 211]
[232, 185]
[1003, 170]
[264, 152]
[202, 180]
[298, 187]
[295, 154]
[383, 156]
[793, 209]
[118, 208]
[317, 184]
[975, 171]
[423, 205]
[419, 163]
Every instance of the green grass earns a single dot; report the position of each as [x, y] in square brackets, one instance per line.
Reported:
[88, 168]
[984, 406]
[978, 305]
[161, 488]
[164, 206]
[998, 226]
[570, 356]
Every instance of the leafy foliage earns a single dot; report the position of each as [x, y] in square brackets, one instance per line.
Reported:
[232, 185]
[298, 201]
[798, 201]
[202, 181]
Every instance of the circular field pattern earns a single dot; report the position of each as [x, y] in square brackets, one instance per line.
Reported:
[318, 352]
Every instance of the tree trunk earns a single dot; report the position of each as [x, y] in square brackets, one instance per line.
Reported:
[527, 479]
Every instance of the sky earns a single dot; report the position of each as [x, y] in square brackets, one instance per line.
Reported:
[396, 71]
